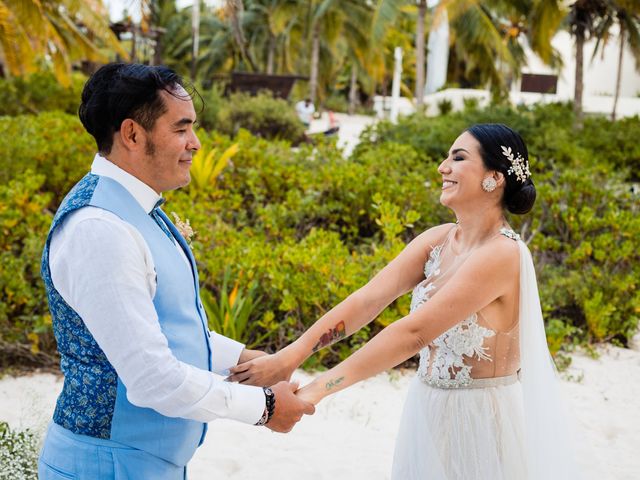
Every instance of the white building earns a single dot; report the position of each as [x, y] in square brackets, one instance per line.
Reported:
[599, 73]
[599, 79]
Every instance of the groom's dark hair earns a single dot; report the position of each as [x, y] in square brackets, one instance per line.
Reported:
[118, 91]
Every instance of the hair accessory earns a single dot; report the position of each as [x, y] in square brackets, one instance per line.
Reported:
[489, 184]
[519, 165]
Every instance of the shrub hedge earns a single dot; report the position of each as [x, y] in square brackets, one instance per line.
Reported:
[297, 229]
[263, 115]
[40, 92]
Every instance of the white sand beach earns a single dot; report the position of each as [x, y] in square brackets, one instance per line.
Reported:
[352, 434]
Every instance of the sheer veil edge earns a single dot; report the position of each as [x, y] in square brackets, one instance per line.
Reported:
[549, 431]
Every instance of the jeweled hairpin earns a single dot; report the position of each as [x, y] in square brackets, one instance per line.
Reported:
[519, 165]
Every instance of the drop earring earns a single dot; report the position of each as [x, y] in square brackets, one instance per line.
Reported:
[489, 184]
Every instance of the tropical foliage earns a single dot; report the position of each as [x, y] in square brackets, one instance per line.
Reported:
[345, 48]
[589, 19]
[348, 46]
[54, 32]
[40, 92]
[286, 233]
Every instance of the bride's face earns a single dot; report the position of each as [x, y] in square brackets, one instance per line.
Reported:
[462, 173]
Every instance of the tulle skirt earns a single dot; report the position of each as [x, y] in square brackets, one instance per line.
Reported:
[461, 434]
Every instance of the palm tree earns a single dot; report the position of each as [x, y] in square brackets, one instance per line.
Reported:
[582, 23]
[327, 21]
[195, 36]
[160, 14]
[217, 50]
[62, 31]
[392, 25]
[234, 10]
[481, 40]
[626, 15]
[488, 36]
[385, 13]
[420, 59]
[269, 24]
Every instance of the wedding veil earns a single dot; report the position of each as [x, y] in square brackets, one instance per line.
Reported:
[548, 438]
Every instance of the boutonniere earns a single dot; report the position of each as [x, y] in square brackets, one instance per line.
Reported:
[183, 227]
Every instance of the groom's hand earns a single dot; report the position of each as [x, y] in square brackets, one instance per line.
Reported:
[288, 408]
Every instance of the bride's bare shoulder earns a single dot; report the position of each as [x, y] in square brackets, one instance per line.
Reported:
[501, 253]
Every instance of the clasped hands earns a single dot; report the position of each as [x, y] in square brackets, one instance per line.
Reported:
[263, 370]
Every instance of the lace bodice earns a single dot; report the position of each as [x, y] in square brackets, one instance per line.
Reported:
[472, 348]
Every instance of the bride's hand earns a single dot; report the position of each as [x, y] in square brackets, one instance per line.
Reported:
[307, 394]
[263, 371]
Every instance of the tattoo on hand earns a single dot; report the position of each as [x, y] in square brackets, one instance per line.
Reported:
[333, 383]
[333, 335]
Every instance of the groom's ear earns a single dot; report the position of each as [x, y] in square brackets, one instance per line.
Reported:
[131, 134]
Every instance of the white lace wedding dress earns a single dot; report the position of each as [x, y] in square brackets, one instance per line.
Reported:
[464, 417]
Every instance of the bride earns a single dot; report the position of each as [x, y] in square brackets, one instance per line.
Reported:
[485, 402]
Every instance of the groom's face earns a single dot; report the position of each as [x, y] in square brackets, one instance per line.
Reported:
[169, 146]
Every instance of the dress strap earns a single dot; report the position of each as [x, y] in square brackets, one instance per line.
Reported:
[449, 235]
[507, 232]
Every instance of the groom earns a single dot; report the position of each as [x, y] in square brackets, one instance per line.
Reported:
[142, 372]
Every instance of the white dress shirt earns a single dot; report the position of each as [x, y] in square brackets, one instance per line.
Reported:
[103, 268]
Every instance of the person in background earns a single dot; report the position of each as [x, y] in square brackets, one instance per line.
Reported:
[305, 110]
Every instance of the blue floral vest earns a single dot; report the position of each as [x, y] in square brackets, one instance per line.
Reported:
[94, 401]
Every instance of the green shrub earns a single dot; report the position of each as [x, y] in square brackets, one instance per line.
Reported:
[281, 192]
[40, 92]
[229, 311]
[336, 103]
[212, 104]
[615, 141]
[18, 454]
[53, 144]
[25, 323]
[445, 106]
[586, 250]
[262, 115]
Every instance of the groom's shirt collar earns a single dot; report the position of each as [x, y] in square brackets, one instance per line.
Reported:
[143, 193]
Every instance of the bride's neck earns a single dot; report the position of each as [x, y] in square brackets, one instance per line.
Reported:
[474, 230]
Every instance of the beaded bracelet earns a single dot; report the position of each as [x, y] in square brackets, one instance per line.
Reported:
[270, 401]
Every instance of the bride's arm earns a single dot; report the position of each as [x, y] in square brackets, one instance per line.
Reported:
[483, 278]
[357, 310]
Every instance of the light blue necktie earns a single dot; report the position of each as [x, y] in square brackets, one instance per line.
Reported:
[156, 216]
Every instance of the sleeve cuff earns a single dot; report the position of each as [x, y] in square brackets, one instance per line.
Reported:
[248, 403]
[225, 353]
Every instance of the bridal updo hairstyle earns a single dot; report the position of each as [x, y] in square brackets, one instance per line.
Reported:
[519, 197]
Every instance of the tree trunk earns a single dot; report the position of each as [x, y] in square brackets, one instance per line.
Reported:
[133, 42]
[195, 37]
[157, 51]
[235, 8]
[420, 61]
[577, 98]
[315, 61]
[271, 53]
[353, 90]
[619, 77]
